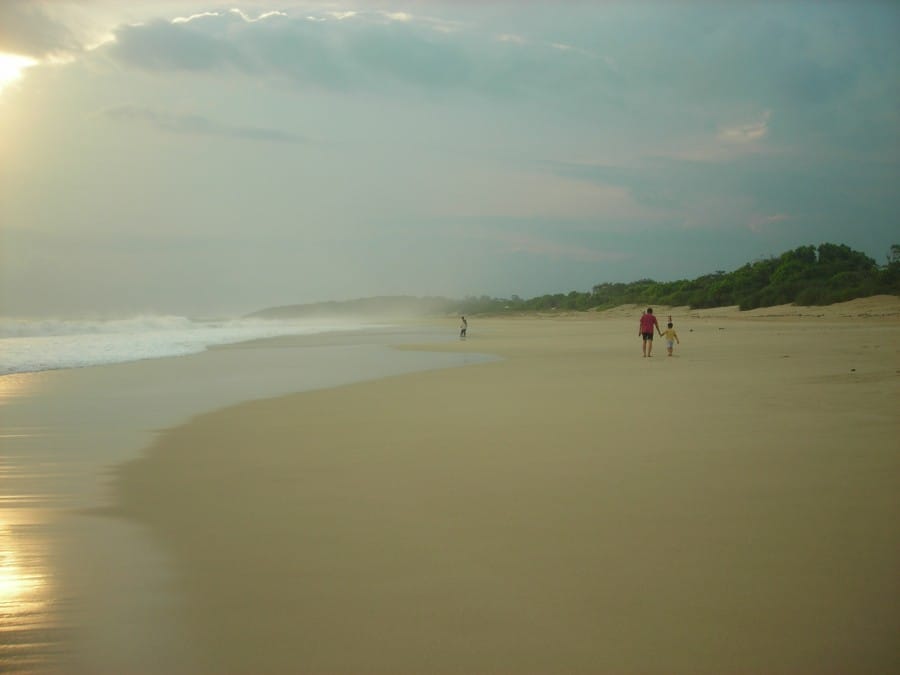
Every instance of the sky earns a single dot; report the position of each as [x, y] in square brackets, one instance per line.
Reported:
[210, 158]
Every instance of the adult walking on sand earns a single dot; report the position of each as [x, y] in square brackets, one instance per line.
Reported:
[645, 330]
[463, 327]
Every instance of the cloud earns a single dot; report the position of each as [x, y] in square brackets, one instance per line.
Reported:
[365, 50]
[746, 133]
[198, 125]
[163, 45]
[786, 197]
[27, 29]
[514, 39]
[192, 17]
[758, 223]
[403, 17]
[261, 17]
[546, 248]
[325, 53]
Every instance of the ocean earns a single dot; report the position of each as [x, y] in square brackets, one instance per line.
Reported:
[32, 345]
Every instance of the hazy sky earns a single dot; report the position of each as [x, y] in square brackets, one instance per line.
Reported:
[192, 157]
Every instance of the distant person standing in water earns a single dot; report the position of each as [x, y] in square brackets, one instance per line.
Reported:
[463, 327]
[647, 324]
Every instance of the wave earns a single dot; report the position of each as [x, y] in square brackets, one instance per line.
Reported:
[28, 345]
[16, 327]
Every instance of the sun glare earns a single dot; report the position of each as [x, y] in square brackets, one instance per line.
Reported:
[18, 586]
[11, 67]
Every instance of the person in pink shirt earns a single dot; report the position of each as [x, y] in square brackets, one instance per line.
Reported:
[648, 323]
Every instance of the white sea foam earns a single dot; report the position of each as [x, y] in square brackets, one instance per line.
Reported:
[28, 345]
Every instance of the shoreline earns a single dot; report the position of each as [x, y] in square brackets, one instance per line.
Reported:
[79, 578]
[509, 517]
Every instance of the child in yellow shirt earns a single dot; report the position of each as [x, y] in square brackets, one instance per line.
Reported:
[671, 337]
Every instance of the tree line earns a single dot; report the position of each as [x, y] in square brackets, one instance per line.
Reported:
[807, 275]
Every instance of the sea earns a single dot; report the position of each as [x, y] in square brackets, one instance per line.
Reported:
[32, 345]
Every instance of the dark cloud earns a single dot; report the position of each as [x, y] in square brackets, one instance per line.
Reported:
[369, 51]
[198, 125]
[162, 45]
[806, 63]
[411, 55]
[818, 200]
[27, 29]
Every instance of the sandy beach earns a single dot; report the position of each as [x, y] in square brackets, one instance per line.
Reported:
[84, 593]
[572, 508]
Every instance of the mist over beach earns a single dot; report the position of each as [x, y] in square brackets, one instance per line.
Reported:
[327, 338]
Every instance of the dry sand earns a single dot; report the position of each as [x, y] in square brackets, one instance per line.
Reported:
[572, 508]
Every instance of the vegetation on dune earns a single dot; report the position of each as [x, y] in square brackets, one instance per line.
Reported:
[807, 275]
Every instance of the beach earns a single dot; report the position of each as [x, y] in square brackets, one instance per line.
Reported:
[571, 508]
[565, 506]
[83, 592]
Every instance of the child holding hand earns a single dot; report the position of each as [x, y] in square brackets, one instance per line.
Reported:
[671, 337]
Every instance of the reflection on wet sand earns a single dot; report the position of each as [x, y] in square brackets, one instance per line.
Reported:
[16, 386]
[29, 629]
[31, 605]
[18, 586]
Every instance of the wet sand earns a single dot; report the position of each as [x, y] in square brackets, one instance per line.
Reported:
[82, 592]
[572, 508]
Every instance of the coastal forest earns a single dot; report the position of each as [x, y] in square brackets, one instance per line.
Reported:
[807, 275]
